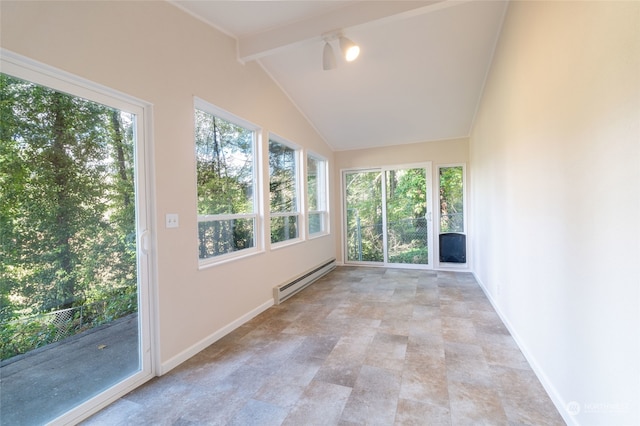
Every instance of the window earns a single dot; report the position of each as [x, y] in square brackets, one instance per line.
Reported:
[226, 177]
[284, 194]
[451, 199]
[317, 194]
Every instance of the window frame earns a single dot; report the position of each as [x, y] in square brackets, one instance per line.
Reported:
[256, 215]
[438, 227]
[464, 196]
[300, 217]
[323, 196]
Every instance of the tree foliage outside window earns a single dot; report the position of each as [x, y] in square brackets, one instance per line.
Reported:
[316, 195]
[406, 216]
[283, 192]
[226, 185]
[405, 208]
[364, 216]
[451, 199]
[67, 206]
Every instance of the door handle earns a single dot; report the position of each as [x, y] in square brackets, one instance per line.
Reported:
[144, 241]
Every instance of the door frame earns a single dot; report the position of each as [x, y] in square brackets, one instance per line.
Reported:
[36, 72]
[437, 214]
[427, 166]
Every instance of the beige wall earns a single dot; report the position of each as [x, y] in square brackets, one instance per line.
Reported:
[555, 154]
[437, 152]
[155, 52]
[554, 175]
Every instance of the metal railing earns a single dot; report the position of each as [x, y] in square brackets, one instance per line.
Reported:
[452, 222]
[24, 334]
[364, 242]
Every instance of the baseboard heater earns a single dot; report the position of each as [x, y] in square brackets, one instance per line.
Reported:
[286, 290]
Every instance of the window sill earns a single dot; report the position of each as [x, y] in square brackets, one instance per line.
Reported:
[318, 235]
[285, 244]
[227, 258]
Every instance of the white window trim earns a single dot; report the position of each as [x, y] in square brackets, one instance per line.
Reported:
[258, 246]
[325, 217]
[213, 217]
[210, 108]
[300, 197]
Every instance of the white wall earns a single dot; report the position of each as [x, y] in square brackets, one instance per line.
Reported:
[555, 155]
[155, 52]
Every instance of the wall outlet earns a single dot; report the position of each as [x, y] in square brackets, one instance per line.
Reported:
[172, 220]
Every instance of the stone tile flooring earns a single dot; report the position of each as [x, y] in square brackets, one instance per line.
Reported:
[360, 346]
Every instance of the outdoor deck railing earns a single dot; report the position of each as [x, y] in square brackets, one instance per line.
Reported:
[364, 242]
[24, 334]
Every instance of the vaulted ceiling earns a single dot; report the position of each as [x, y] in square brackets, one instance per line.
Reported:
[419, 76]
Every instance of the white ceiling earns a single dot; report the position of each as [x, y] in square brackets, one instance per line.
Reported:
[419, 76]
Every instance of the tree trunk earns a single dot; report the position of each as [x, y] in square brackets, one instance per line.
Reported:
[62, 174]
[118, 143]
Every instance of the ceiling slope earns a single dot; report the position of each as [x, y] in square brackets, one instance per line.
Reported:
[419, 76]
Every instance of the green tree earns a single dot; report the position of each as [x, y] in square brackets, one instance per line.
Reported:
[451, 199]
[406, 224]
[364, 216]
[283, 191]
[406, 210]
[406, 194]
[66, 206]
[224, 154]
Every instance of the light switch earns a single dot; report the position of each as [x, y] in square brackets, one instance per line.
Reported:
[172, 220]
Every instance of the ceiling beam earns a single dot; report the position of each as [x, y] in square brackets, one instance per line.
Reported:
[353, 15]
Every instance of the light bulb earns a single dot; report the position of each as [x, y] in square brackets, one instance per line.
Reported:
[352, 53]
[350, 50]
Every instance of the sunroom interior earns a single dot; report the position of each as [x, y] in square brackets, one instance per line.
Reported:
[547, 137]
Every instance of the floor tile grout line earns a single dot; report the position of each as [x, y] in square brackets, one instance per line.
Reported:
[285, 335]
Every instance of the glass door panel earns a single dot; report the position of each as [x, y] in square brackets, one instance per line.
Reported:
[406, 216]
[363, 193]
[69, 322]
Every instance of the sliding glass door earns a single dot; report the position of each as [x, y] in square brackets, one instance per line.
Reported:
[388, 216]
[75, 270]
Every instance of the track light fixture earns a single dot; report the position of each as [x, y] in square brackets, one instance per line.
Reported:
[328, 57]
[349, 49]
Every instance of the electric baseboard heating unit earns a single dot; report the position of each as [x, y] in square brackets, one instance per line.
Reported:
[284, 291]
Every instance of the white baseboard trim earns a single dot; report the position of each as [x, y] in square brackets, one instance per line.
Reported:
[558, 401]
[172, 363]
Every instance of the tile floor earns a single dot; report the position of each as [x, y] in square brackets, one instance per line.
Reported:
[360, 346]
